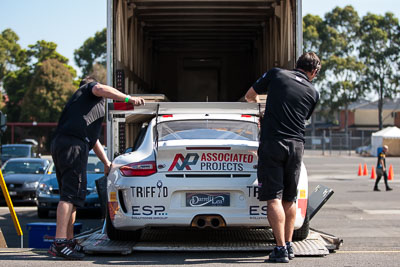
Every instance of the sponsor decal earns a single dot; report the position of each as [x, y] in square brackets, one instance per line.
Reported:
[207, 199]
[211, 161]
[258, 210]
[150, 191]
[186, 162]
[113, 196]
[253, 191]
[112, 209]
[149, 211]
[302, 193]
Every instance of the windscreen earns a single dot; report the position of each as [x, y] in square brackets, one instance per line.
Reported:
[94, 164]
[207, 129]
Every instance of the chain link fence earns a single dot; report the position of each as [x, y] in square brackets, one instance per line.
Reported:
[338, 143]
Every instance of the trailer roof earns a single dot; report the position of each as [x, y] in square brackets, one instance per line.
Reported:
[207, 20]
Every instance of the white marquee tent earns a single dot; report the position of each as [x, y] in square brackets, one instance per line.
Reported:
[389, 136]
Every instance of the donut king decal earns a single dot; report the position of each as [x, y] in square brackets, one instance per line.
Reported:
[213, 161]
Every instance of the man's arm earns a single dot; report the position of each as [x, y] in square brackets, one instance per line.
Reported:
[382, 163]
[252, 96]
[106, 91]
[101, 154]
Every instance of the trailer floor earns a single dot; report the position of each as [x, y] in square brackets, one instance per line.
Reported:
[316, 244]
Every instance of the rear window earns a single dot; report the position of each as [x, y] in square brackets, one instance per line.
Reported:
[15, 151]
[207, 129]
[22, 167]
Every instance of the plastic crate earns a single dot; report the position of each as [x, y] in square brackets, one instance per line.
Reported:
[41, 234]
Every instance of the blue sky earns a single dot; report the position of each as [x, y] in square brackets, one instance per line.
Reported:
[69, 23]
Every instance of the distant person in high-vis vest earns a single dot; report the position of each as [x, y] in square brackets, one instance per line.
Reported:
[381, 169]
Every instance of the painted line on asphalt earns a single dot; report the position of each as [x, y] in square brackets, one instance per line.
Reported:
[361, 252]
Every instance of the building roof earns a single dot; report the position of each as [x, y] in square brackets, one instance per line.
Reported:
[388, 104]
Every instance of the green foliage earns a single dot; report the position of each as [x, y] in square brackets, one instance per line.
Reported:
[380, 46]
[15, 85]
[11, 54]
[43, 50]
[93, 50]
[50, 89]
[29, 75]
[336, 41]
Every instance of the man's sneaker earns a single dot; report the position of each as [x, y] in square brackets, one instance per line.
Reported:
[376, 189]
[75, 245]
[64, 250]
[388, 189]
[289, 247]
[279, 255]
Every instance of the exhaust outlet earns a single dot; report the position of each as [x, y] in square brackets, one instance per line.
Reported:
[213, 221]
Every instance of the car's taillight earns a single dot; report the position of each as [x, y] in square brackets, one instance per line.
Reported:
[144, 168]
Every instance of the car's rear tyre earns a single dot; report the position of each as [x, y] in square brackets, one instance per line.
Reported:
[115, 234]
[302, 233]
[42, 213]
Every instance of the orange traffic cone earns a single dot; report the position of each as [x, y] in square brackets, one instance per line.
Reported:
[390, 175]
[359, 170]
[373, 174]
[365, 170]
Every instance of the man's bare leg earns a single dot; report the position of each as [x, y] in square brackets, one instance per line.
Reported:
[64, 211]
[290, 217]
[276, 218]
[70, 230]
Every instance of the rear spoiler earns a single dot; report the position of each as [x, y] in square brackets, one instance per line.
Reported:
[162, 108]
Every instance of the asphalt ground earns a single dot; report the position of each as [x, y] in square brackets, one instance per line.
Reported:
[367, 221]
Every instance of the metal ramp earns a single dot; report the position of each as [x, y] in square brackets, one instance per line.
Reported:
[317, 244]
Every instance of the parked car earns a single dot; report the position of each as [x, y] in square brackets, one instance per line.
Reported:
[192, 169]
[48, 193]
[364, 150]
[22, 177]
[18, 151]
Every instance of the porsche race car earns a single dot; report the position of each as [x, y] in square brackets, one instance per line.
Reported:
[191, 165]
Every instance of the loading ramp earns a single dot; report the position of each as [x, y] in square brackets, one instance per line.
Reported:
[316, 244]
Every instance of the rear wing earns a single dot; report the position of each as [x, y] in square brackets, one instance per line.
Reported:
[124, 118]
[162, 108]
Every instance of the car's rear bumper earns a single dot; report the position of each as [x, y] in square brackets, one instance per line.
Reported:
[149, 202]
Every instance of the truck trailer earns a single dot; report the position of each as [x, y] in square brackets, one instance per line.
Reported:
[196, 50]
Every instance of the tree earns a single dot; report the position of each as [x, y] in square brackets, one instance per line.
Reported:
[99, 72]
[93, 50]
[15, 85]
[49, 91]
[380, 36]
[12, 56]
[342, 64]
[18, 80]
[43, 50]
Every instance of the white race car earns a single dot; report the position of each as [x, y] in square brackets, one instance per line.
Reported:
[192, 165]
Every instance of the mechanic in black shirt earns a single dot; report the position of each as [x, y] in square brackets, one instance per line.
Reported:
[290, 102]
[77, 133]
[381, 169]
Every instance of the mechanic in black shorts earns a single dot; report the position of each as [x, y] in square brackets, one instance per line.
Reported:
[290, 102]
[77, 133]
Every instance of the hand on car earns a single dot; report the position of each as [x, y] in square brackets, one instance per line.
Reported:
[136, 101]
[107, 168]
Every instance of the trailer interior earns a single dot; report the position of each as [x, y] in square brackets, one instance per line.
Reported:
[199, 50]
